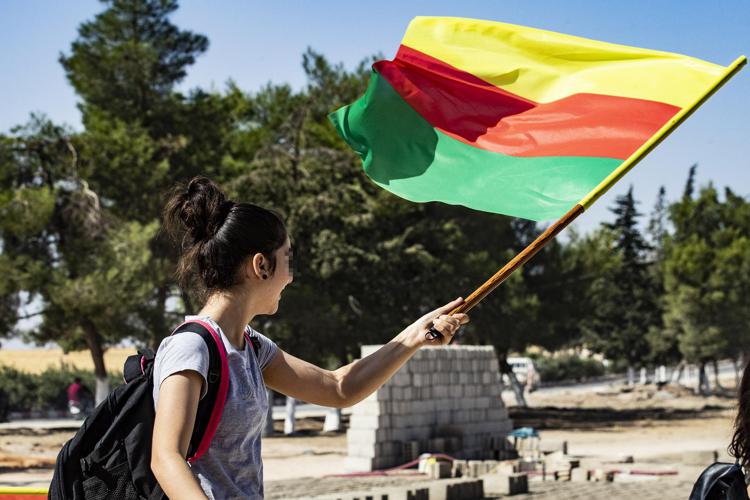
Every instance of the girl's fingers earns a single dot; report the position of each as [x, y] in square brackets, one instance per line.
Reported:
[445, 309]
[462, 318]
[446, 324]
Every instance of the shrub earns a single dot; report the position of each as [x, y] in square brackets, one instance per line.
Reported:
[19, 387]
[568, 367]
[47, 390]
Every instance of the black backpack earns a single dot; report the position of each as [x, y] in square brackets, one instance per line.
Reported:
[720, 481]
[110, 455]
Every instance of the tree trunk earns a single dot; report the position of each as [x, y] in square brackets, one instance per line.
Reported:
[506, 369]
[737, 364]
[332, 422]
[677, 373]
[717, 383]
[161, 329]
[187, 303]
[517, 390]
[269, 430]
[94, 343]
[290, 423]
[703, 387]
[662, 377]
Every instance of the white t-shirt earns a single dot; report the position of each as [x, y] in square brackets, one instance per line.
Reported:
[232, 465]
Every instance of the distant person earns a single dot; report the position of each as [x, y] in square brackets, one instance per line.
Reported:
[80, 399]
[241, 255]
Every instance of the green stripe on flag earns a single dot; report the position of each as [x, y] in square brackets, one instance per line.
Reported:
[404, 154]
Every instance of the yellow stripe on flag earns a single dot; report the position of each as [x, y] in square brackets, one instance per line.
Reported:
[545, 66]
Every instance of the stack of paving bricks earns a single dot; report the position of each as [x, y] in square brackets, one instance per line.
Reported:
[443, 400]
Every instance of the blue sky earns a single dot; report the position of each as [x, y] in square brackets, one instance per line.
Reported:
[256, 42]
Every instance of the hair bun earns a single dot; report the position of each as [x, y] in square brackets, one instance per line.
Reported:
[201, 207]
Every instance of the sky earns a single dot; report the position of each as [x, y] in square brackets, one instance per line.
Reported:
[253, 42]
[256, 42]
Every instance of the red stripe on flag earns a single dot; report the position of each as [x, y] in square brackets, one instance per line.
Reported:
[485, 116]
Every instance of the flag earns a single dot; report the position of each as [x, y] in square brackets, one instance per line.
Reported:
[510, 119]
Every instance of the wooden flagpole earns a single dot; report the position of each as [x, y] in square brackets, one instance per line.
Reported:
[552, 231]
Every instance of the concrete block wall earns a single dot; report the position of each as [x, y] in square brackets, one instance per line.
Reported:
[443, 400]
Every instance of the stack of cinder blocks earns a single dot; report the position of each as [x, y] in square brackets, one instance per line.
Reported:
[443, 400]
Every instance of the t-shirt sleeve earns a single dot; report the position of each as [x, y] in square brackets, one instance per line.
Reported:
[267, 349]
[180, 352]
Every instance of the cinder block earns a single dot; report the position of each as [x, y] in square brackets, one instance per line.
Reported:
[411, 450]
[506, 484]
[474, 468]
[579, 475]
[463, 489]
[382, 394]
[438, 469]
[437, 389]
[363, 421]
[489, 466]
[602, 475]
[459, 468]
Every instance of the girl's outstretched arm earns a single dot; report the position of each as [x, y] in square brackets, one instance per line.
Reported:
[354, 382]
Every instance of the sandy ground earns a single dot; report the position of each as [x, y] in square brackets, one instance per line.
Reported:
[38, 360]
[649, 440]
[651, 426]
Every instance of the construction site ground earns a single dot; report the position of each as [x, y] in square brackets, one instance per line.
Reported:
[658, 433]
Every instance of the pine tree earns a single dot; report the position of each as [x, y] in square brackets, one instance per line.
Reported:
[625, 305]
[127, 60]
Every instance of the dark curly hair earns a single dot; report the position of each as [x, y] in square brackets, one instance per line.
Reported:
[740, 446]
[217, 235]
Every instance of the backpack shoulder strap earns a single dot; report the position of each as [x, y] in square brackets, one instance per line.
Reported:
[211, 406]
[137, 365]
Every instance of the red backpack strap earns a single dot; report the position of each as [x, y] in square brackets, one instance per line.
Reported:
[211, 406]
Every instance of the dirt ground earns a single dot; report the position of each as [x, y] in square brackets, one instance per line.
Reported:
[652, 426]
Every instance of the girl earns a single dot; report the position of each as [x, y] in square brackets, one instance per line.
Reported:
[241, 253]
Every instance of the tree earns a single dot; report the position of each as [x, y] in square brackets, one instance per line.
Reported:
[126, 61]
[67, 250]
[706, 273]
[141, 136]
[624, 299]
[663, 343]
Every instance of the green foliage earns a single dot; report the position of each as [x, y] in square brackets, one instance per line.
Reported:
[47, 390]
[706, 272]
[128, 58]
[624, 295]
[568, 367]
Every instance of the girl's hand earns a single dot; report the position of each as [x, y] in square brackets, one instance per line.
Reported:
[446, 324]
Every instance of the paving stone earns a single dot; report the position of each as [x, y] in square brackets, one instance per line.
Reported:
[506, 484]
[660, 489]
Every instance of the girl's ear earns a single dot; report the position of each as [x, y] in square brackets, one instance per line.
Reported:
[257, 267]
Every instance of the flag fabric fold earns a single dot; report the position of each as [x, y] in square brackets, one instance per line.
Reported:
[510, 119]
